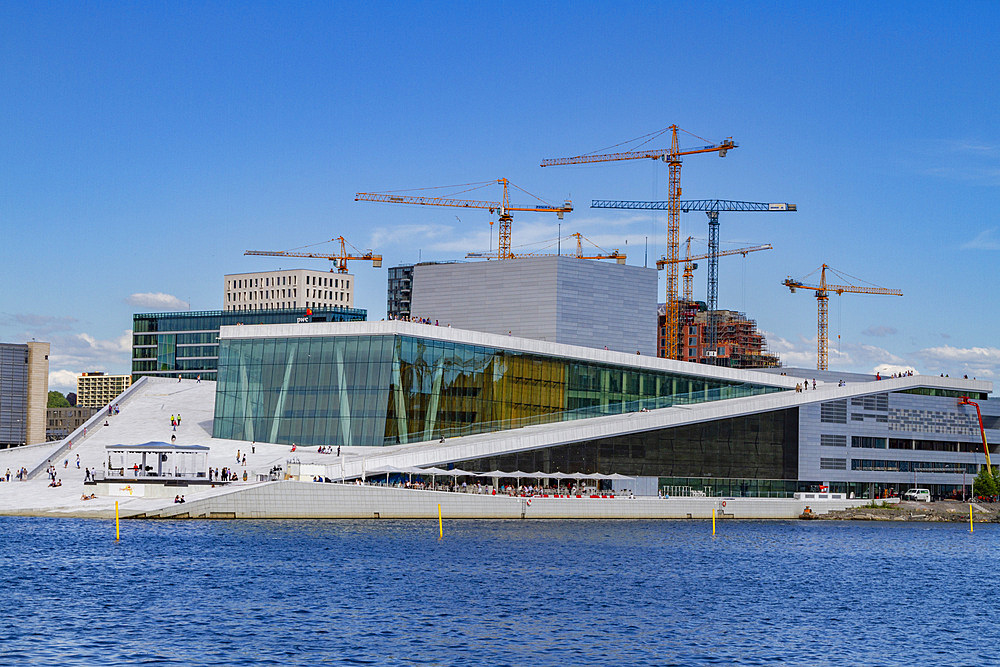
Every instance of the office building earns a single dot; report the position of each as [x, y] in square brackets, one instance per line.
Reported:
[186, 343]
[24, 393]
[63, 421]
[284, 290]
[400, 287]
[96, 389]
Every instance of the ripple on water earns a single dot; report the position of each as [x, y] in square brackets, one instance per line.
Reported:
[504, 592]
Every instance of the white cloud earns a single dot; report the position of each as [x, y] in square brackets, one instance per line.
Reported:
[850, 357]
[121, 344]
[980, 362]
[800, 354]
[38, 326]
[985, 240]
[886, 370]
[408, 234]
[156, 300]
[949, 353]
[63, 380]
[82, 352]
[964, 160]
[977, 148]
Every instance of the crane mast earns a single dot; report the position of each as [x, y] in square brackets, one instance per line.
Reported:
[672, 156]
[823, 290]
[711, 208]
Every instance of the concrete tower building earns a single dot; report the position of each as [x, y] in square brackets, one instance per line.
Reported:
[555, 298]
[24, 392]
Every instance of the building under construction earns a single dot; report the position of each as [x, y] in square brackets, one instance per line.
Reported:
[739, 343]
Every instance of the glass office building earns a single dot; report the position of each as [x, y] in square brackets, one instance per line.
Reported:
[187, 343]
[399, 291]
[392, 389]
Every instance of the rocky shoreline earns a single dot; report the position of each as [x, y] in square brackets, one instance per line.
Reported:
[913, 511]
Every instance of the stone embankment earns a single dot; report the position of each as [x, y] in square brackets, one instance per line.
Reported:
[914, 511]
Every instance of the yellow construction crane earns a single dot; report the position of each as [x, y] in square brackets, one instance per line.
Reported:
[340, 260]
[823, 290]
[615, 254]
[502, 207]
[672, 156]
[690, 266]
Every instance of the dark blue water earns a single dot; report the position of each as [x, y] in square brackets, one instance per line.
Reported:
[497, 593]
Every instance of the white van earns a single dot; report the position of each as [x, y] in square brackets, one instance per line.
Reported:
[921, 495]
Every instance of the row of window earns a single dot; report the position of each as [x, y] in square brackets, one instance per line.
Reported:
[246, 283]
[198, 322]
[869, 442]
[259, 295]
[328, 282]
[914, 466]
[327, 294]
[875, 465]
[277, 305]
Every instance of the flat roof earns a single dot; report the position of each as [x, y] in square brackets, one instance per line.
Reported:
[263, 273]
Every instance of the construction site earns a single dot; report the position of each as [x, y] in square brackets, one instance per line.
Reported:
[478, 293]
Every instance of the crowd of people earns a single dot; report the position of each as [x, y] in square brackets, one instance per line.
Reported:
[802, 386]
[878, 376]
[225, 475]
[21, 475]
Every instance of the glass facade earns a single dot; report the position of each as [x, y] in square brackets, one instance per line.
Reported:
[13, 394]
[723, 454]
[187, 343]
[390, 389]
[398, 294]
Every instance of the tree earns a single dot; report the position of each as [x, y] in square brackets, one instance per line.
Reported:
[57, 400]
[985, 484]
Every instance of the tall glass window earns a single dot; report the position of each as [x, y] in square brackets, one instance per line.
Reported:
[382, 390]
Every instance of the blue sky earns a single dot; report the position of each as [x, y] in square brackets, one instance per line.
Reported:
[145, 146]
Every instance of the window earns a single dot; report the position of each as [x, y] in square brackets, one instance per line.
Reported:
[833, 412]
[833, 440]
[868, 442]
[832, 464]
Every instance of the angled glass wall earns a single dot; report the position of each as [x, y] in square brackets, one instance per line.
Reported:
[382, 390]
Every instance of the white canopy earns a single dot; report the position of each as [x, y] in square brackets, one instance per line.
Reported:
[517, 474]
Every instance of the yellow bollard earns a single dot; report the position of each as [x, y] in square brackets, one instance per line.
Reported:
[713, 522]
[117, 532]
[970, 517]
[440, 524]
